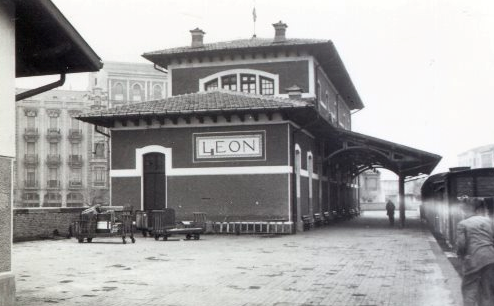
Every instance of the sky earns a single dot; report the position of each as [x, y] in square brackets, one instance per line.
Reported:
[423, 68]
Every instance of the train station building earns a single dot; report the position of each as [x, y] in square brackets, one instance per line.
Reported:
[255, 130]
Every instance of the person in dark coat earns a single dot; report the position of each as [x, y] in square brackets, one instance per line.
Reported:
[475, 248]
[390, 211]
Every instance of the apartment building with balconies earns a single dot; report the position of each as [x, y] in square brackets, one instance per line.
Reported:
[61, 161]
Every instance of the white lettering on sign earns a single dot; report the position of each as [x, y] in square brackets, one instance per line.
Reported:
[229, 146]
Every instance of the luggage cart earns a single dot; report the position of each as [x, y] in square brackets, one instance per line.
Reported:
[164, 226]
[143, 222]
[100, 221]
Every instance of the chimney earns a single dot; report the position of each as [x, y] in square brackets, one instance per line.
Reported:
[294, 92]
[197, 38]
[279, 31]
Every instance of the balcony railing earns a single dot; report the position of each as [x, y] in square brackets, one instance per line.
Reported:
[53, 184]
[99, 183]
[75, 184]
[53, 135]
[75, 135]
[31, 134]
[31, 160]
[53, 160]
[75, 161]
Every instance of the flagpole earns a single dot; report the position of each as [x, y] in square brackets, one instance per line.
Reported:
[254, 17]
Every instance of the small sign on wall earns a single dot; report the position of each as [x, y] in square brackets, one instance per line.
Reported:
[227, 146]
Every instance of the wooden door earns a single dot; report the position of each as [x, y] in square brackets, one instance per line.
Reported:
[154, 181]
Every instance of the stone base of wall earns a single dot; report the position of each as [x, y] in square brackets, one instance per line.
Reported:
[7, 289]
[42, 223]
[253, 227]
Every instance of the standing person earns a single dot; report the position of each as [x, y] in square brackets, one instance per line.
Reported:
[475, 248]
[390, 211]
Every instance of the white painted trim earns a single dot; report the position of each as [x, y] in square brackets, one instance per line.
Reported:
[238, 72]
[206, 170]
[305, 173]
[288, 162]
[232, 170]
[298, 171]
[11, 209]
[310, 172]
[169, 84]
[140, 152]
[241, 62]
[304, 95]
[312, 85]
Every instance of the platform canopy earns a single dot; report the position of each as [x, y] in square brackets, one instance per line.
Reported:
[358, 152]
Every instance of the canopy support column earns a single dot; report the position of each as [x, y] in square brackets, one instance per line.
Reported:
[401, 198]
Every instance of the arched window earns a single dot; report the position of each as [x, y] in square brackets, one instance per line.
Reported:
[136, 93]
[157, 92]
[99, 149]
[229, 82]
[248, 83]
[118, 92]
[245, 80]
[266, 86]
[211, 85]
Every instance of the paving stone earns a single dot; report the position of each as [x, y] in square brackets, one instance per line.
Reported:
[359, 262]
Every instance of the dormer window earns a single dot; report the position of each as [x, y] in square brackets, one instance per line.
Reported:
[245, 80]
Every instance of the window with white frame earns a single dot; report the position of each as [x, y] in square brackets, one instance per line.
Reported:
[266, 86]
[248, 83]
[245, 80]
[136, 93]
[157, 92]
[229, 82]
[211, 85]
[118, 92]
[99, 176]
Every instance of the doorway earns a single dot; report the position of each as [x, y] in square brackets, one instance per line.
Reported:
[154, 181]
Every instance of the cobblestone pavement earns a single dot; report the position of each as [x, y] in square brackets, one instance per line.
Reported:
[359, 262]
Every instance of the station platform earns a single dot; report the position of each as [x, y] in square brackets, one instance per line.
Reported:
[362, 262]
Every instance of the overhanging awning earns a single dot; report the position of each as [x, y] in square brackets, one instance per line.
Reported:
[358, 152]
[46, 42]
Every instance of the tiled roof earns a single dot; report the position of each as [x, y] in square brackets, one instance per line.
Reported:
[238, 44]
[201, 102]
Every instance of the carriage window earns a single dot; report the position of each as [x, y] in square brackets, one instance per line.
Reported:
[229, 82]
[248, 83]
[211, 85]
[267, 86]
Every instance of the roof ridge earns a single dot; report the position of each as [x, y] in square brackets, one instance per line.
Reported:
[233, 41]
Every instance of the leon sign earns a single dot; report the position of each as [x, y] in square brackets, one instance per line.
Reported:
[237, 145]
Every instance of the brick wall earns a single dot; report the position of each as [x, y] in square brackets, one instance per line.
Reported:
[38, 223]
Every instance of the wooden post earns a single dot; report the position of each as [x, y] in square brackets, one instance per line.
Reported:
[401, 198]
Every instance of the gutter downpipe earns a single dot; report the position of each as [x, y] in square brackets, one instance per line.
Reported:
[101, 132]
[44, 88]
